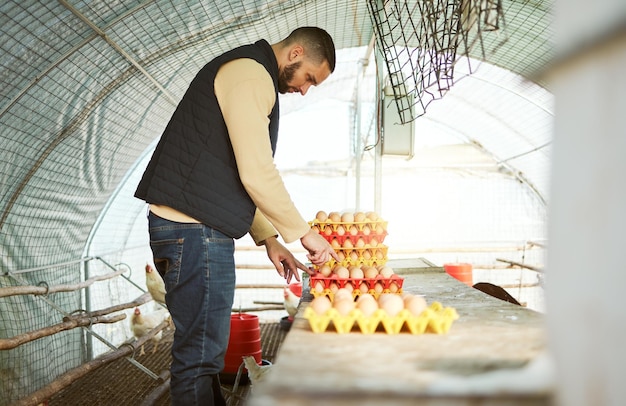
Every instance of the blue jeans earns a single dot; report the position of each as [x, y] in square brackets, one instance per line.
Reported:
[198, 267]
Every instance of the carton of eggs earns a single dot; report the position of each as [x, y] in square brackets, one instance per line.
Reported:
[392, 313]
[358, 229]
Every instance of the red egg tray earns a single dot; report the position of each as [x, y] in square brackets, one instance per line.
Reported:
[355, 283]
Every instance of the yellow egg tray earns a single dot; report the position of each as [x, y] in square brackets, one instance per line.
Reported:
[435, 319]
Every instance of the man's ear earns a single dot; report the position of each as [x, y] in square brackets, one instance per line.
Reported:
[296, 51]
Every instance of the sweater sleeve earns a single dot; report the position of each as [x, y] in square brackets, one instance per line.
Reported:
[246, 95]
[261, 228]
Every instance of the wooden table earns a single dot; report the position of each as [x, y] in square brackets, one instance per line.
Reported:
[492, 355]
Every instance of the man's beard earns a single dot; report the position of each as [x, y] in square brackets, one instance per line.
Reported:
[286, 75]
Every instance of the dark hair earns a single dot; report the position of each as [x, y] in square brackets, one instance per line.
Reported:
[317, 43]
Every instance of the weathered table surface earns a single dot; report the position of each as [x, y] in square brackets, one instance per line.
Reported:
[490, 355]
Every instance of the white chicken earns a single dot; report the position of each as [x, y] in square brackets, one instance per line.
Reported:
[141, 324]
[155, 284]
[291, 303]
[256, 372]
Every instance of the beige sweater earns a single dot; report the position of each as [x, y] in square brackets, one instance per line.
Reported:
[245, 92]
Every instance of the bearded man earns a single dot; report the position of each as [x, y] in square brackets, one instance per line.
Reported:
[211, 180]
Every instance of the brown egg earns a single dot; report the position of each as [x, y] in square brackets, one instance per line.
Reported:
[348, 287]
[321, 216]
[367, 307]
[393, 287]
[378, 287]
[335, 243]
[316, 229]
[344, 306]
[325, 270]
[379, 229]
[374, 242]
[342, 271]
[334, 287]
[366, 230]
[370, 272]
[341, 255]
[371, 215]
[390, 303]
[380, 254]
[321, 304]
[360, 243]
[363, 287]
[415, 304]
[319, 286]
[342, 294]
[348, 243]
[354, 256]
[353, 230]
[328, 230]
[347, 217]
[341, 230]
[367, 254]
[356, 273]
[359, 217]
[386, 272]
[334, 216]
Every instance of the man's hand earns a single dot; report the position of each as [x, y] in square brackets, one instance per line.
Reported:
[319, 249]
[284, 261]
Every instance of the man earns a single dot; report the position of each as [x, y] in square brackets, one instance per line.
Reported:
[211, 180]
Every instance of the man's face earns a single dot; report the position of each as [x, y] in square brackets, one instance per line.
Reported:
[299, 76]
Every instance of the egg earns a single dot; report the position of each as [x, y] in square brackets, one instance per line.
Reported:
[319, 287]
[325, 270]
[379, 229]
[366, 230]
[367, 307]
[393, 287]
[354, 256]
[348, 287]
[321, 304]
[353, 230]
[334, 216]
[342, 294]
[378, 287]
[356, 273]
[364, 287]
[328, 230]
[335, 243]
[342, 271]
[333, 287]
[359, 217]
[390, 303]
[316, 229]
[348, 243]
[360, 243]
[370, 272]
[380, 254]
[341, 255]
[415, 304]
[341, 230]
[321, 215]
[374, 242]
[344, 306]
[367, 254]
[372, 215]
[386, 272]
[347, 217]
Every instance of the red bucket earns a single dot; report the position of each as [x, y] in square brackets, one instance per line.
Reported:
[460, 271]
[245, 339]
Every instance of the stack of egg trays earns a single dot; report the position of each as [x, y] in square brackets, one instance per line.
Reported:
[435, 319]
[356, 283]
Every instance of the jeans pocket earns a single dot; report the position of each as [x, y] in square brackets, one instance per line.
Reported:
[167, 259]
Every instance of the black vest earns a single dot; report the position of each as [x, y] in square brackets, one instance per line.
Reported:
[193, 168]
